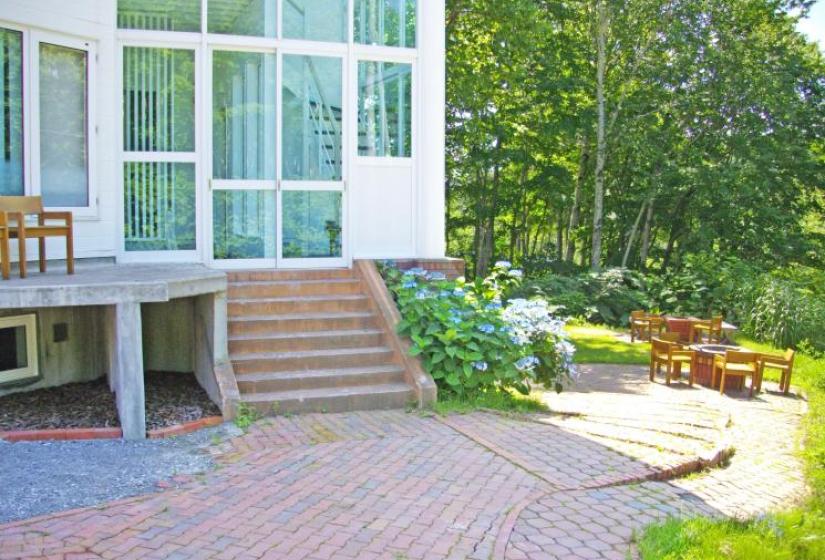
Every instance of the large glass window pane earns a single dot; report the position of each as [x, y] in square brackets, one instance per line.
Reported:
[312, 117]
[159, 209]
[64, 171]
[243, 115]
[158, 100]
[11, 112]
[243, 17]
[385, 22]
[159, 15]
[312, 224]
[384, 109]
[316, 20]
[244, 224]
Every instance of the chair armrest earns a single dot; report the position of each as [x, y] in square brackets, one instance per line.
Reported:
[66, 216]
[687, 353]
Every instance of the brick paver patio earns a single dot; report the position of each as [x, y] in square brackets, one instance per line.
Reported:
[401, 485]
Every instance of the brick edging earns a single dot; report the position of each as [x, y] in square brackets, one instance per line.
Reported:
[62, 434]
[84, 434]
[185, 428]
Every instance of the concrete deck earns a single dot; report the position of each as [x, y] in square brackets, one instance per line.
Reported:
[110, 284]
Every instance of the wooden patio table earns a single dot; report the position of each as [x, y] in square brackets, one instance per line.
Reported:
[703, 362]
[683, 325]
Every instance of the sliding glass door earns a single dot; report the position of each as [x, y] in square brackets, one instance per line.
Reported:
[243, 185]
[312, 162]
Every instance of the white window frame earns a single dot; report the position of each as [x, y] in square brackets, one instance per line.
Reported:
[31, 114]
[32, 370]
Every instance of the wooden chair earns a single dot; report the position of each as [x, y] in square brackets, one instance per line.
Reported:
[712, 327]
[737, 364]
[5, 265]
[13, 210]
[673, 357]
[783, 363]
[642, 325]
[670, 336]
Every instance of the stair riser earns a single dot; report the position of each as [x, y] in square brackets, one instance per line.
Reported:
[297, 289]
[297, 383]
[300, 325]
[343, 403]
[238, 309]
[257, 346]
[282, 275]
[312, 362]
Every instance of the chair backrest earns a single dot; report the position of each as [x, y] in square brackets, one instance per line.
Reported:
[25, 204]
[658, 346]
[638, 315]
[670, 336]
[789, 355]
[741, 357]
[716, 323]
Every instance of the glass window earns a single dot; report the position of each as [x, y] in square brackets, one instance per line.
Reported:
[159, 206]
[158, 100]
[243, 17]
[384, 109]
[64, 171]
[312, 224]
[244, 224]
[159, 15]
[316, 20]
[312, 117]
[11, 112]
[243, 115]
[388, 23]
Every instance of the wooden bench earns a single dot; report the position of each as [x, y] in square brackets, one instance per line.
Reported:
[13, 212]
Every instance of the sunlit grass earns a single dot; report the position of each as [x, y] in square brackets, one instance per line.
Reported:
[597, 344]
[507, 401]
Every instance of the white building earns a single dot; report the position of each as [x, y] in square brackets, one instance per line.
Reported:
[194, 137]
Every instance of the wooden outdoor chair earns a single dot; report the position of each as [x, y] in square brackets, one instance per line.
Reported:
[783, 363]
[712, 328]
[643, 324]
[673, 356]
[736, 363]
[13, 212]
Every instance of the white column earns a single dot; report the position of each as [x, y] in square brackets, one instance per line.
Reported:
[432, 125]
[125, 340]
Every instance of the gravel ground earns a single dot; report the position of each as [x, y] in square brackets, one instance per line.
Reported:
[45, 477]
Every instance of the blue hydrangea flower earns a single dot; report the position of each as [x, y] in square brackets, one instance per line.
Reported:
[487, 328]
[436, 276]
[408, 284]
[417, 272]
[503, 264]
[516, 273]
[492, 306]
[480, 366]
[422, 294]
[527, 363]
[458, 292]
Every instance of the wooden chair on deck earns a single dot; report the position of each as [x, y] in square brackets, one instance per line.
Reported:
[643, 324]
[712, 327]
[13, 212]
[673, 356]
[783, 363]
[737, 364]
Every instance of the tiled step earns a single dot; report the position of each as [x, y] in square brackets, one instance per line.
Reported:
[335, 399]
[269, 289]
[301, 322]
[303, 304]
[270, 382]
[285, 275]
[297, 341]
[312, 359]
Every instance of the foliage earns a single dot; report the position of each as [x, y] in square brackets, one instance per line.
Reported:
[505, 401]
[795, 535]
[597, 344]
[246, 415]
[470, 342]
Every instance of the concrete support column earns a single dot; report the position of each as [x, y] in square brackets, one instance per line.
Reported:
[432, 124]
[125, 349]
[212, 366]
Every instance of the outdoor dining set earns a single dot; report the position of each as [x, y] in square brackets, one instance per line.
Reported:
[701, 345]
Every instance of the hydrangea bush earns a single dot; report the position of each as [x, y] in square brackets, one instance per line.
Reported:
[470, 340]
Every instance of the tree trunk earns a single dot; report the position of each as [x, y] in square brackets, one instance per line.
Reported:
[631, 236]
[601, 146]
[645, 248]
[584, 158]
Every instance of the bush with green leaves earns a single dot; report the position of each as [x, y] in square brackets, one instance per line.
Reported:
[470, 341]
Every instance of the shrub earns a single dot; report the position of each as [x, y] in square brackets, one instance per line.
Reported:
[469, 341]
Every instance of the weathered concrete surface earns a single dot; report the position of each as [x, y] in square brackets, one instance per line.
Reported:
[98, 284]
[125, 350]
[213, 369]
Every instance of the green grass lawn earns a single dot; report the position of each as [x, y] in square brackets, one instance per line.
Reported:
[597, 344]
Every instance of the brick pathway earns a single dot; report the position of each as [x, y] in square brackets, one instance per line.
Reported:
[396, 485]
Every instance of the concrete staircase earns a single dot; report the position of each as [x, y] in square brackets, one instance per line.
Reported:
[311, 341]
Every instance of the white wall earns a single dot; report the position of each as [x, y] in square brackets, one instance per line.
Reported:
[94, 21]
